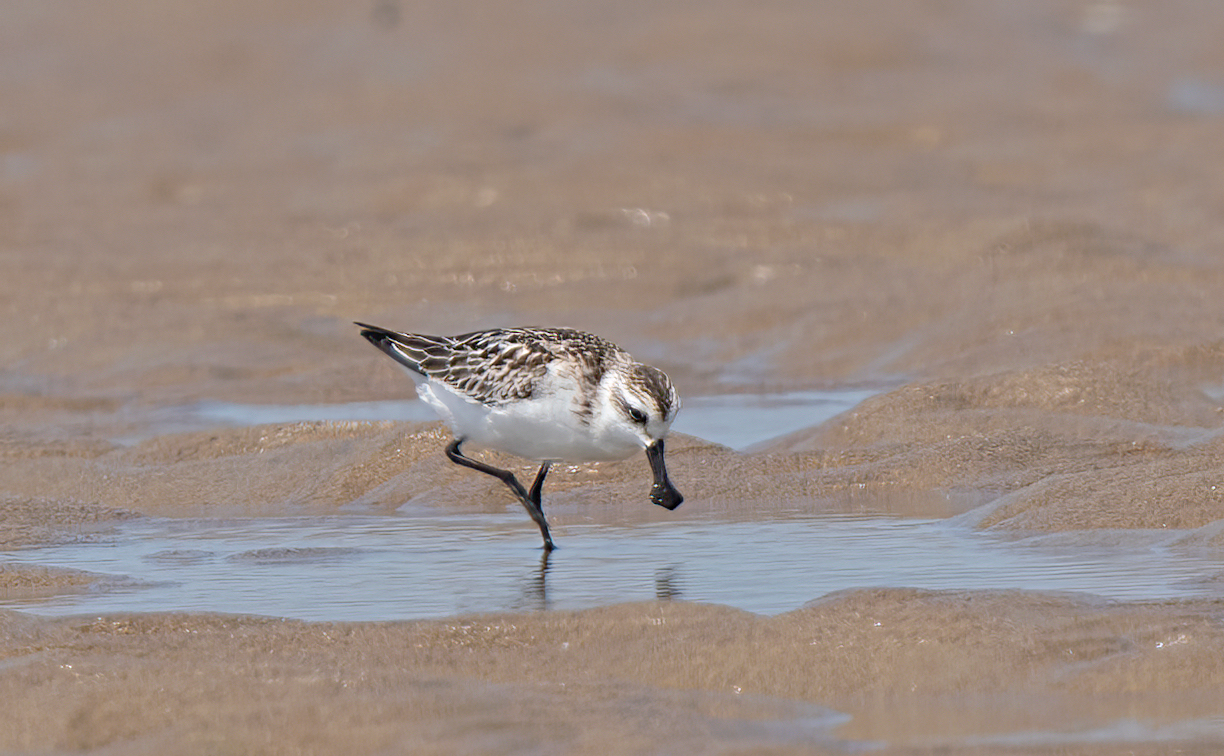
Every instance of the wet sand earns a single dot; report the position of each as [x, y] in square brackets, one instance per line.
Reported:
[1004, 218]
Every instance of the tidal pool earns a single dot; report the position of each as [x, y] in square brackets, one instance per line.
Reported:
[423, 566]
[736, 420]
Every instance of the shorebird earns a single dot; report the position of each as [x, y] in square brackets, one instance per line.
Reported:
[545, 394]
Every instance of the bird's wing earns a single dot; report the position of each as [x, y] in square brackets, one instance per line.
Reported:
[490, 367]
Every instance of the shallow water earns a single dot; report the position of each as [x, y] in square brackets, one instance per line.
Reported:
[735, 420]
[742, 421]
[402, 567]
[424, 565]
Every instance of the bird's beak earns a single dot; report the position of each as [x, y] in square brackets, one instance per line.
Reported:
[662, 492]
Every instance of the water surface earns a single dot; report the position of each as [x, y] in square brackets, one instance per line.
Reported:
[425, 564]
[413, 566]
[736, 420]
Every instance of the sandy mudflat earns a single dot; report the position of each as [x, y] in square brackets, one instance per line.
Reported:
[1006, 217]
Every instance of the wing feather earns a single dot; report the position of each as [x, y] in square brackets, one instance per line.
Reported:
[497, 365]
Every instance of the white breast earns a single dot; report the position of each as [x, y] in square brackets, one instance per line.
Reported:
[538, 429]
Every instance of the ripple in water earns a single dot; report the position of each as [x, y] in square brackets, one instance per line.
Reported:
[735, 420]
[407, 567]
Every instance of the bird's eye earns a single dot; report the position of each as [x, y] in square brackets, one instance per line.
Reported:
[637, 416]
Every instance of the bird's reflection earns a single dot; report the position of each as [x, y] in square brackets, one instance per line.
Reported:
[534, 590]
[535, 587]
[667, 584]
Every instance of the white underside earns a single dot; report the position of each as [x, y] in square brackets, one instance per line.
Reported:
[537, 429]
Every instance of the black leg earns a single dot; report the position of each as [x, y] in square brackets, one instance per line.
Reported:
[530, 500]
[538, 487]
